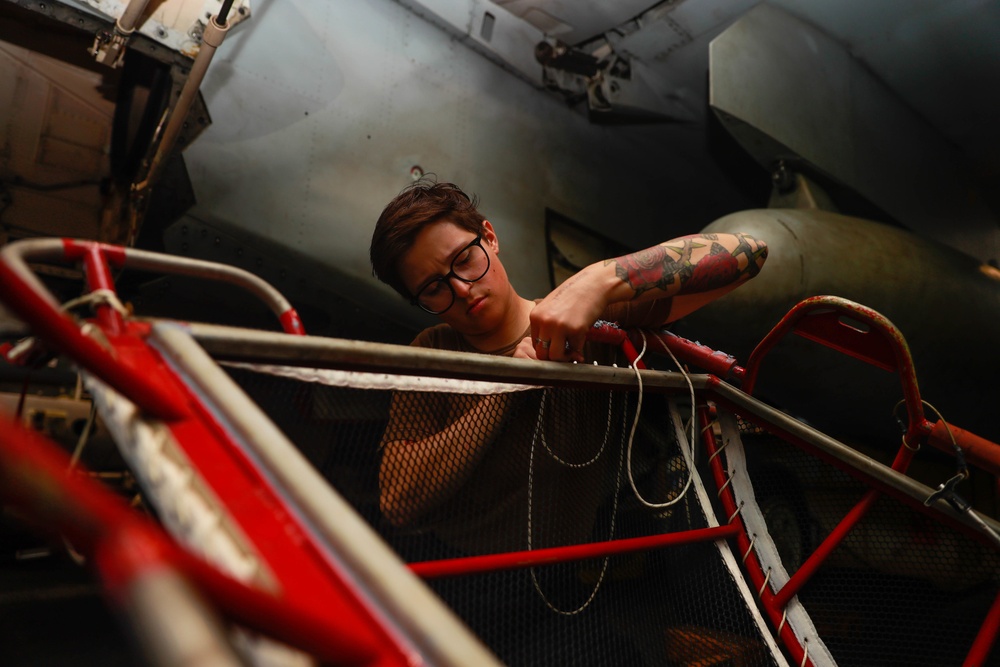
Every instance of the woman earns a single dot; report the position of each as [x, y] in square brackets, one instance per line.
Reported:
[442, 465]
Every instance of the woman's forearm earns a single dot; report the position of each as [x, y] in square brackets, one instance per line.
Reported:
[417, 475]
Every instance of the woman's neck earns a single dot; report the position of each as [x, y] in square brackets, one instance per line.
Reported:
[509, 332]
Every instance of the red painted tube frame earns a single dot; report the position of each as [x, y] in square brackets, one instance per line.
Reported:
[36, 307]
[751, 563]
[62, 333]
[978, 451]
[33, 472]
[985, 638]
[715, 362]
[819, 319]
[100, 255]
[696, 354]
[294, 618]
[521, 559]
[98, 275]
[889, 352]
[812, 564]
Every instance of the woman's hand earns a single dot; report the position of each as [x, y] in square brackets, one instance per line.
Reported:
[525, 349]
[560, 323]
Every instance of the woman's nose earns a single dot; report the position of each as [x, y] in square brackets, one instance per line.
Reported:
[460, 286]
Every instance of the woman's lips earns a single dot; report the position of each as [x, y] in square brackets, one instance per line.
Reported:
[476, 305]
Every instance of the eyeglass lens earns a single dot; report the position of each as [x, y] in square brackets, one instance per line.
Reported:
[469, 265]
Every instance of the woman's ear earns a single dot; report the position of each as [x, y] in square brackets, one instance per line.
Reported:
[490, 236]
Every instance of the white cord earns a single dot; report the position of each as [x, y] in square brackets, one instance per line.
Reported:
[540, 431]
[614, 512]
[78, 557]
[84, 436]
[98, 297]
[688, 455]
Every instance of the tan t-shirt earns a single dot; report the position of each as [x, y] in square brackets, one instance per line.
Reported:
[489, 513]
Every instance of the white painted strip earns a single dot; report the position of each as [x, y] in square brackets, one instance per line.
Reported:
[798, 618]
[735, 570]
[362, 380]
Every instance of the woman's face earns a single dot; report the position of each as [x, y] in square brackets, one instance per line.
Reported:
[479, 307]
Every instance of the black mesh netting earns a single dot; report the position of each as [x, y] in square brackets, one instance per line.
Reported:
[446, 475]
[902, 589]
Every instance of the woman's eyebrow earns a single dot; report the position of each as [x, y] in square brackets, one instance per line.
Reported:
[451, 259]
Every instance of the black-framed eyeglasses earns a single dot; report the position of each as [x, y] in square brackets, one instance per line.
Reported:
[469, 265]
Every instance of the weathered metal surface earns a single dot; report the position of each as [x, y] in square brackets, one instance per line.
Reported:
[784, 88]
[176, 24]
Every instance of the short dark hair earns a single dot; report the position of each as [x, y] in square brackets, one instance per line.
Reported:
[417, 206]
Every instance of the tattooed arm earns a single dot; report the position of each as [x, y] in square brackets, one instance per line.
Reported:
[691, 271]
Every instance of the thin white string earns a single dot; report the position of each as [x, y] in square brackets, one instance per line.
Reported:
[98, 297]
[687, 453]
[84, 438]
[614, 514]
[540, 431]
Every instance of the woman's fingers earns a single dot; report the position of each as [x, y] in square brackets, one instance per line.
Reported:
[526, 349]
[558, 346]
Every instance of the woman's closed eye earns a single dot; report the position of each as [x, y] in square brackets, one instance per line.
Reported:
[433, 288]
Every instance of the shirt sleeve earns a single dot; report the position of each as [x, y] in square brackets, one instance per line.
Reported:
[417, 415]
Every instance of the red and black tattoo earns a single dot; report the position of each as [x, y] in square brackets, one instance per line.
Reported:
[655, 268]
[745, 248]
